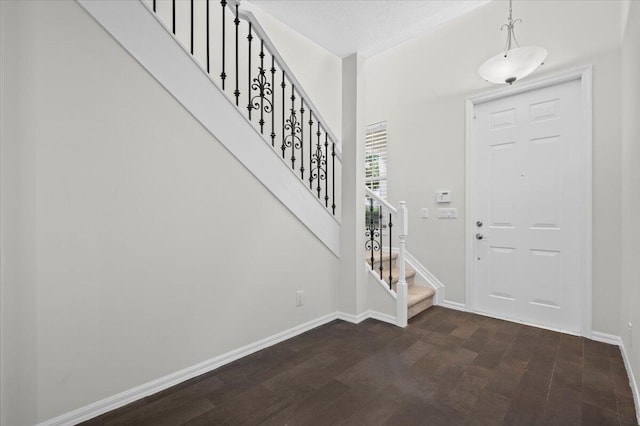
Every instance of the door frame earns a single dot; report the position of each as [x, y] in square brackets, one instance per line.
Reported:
[584, 74]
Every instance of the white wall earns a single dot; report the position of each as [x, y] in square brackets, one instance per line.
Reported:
[133, 244]
[420, 87]
[351, 294]
[17, 219]
[630, 308]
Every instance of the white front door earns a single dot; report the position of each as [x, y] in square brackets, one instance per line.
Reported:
[526, 206]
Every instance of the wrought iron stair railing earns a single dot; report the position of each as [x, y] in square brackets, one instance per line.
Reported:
[382, 222]
[260, 84]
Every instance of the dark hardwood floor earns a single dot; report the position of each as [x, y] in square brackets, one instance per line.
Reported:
[446, 368]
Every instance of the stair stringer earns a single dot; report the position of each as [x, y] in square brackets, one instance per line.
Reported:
[424, 277]
[134, 27]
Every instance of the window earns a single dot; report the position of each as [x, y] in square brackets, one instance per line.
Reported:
[375, 163]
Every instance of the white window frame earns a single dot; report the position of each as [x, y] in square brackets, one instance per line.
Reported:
[376, 145]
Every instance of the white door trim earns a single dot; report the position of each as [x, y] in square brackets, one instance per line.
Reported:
[584, 74]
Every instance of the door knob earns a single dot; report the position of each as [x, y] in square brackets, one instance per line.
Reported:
[479, 236]
[479, 224]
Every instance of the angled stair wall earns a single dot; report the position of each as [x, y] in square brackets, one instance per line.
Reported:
[297, 159]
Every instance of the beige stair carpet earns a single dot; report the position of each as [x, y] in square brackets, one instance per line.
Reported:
[419, 298]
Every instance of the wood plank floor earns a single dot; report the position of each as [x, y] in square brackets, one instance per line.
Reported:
[446, 368]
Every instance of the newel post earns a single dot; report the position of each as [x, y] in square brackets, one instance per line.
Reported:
[401, 288]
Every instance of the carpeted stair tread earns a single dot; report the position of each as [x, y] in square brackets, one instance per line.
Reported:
[419, 297]
[376, 257]
[409, 274]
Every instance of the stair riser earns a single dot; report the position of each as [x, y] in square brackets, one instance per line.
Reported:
[419, 307]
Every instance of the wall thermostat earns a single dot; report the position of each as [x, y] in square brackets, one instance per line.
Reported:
[443, 196]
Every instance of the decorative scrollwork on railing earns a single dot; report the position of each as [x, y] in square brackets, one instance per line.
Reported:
[266, 78]
[371, 243]
[273, 101]
[378, 232]
[318, 170]
[260, 101]
[372, 231]
[292, 129]
[292, 126]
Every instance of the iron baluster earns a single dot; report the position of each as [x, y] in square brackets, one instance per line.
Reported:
[310, 149]
[292, 129]
[192, 27]
[223, 74]
[207, 32]
[292, 123]
[236, 22]
[249, 106]
[273, 112]
[302, 138]
[371, 233]
[154, 5]
[381, 246]
[283, 86]
[318, 162]
[333, 177]
[173, 16]
[390, 226]
[326, 181]
[264, 88]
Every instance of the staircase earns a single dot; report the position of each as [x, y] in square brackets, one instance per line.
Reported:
[384, 222]
[419, 298]
[221, 66]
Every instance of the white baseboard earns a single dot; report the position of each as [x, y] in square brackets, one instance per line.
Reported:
[611, 339]
[123, 398]
[453, 305]
[617, 340]
[382, 317]
[632, 380]
[357, 319]
[116, 401]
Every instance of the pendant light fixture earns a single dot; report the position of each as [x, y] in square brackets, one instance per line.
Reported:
[513, 63]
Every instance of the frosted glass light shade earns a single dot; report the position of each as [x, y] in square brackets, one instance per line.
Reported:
[516, 64]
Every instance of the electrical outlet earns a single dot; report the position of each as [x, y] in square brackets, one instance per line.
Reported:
[299, 301]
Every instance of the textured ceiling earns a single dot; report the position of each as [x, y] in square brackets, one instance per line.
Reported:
[364, 26]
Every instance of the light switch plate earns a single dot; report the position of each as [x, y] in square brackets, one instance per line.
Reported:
[424, 213]
[448, 213]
